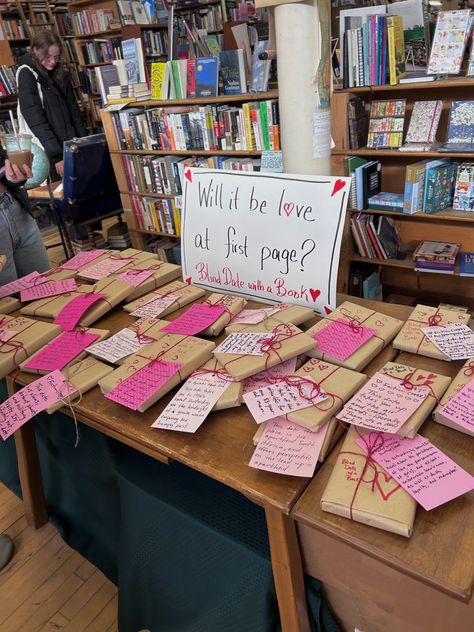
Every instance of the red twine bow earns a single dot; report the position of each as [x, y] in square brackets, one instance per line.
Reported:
[469, 369]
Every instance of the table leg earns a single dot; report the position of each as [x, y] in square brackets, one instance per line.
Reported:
[287, 571]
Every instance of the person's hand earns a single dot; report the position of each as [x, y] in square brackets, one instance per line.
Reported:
[3, 261]
[59, 166]
[14, 174]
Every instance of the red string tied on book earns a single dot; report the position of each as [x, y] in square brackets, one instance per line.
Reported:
[469, 369]
[279, 334]
[409, 385]
[220, 303]
[16, 346]
[219, 373]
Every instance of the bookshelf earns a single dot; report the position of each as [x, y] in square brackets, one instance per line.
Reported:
[398, 276]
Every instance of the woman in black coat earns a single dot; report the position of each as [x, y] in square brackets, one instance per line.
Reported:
[46, 101]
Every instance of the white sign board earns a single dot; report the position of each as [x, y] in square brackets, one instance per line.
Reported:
[271, 237]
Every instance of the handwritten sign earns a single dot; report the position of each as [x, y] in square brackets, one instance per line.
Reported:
[103, 268]
[61, 351]
[32, 399]
[34, 278]
[243, 343]
[455, 341]
[135, 277]
[135, 390]
[426, 473]
[82, 259]
[383, 404]
[119, 346]
[195, 319]
[156, 306]
[72, 313]
[191, 404]
[253, 316]
[281, 398]
[50, 288]
[263, 378]
[460, 408]
[286, 448]
[273, 237]
[340, 339]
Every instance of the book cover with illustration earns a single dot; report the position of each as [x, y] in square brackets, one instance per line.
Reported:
[206, 77]
[460, 127]
[232, 66]
[159, 81]
[466, 263]
[439, 187]
[423, 124]
[464, 188]
[449, 42]
[260, 67]
[386, 124]
[396, 48]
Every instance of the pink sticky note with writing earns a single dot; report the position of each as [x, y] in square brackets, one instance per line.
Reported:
[135, 277]
[153, 308]
[58, 353]
[5, 335]
[340, 339]
[426, 473]
[140, 386]
[34, 278]
[32, 399]
[72, 313]
[195, 319]
[286, 448]
[82, 259]
[269, 375]
[50, 288]
[253, 316]
[460, 408]
[103, 268]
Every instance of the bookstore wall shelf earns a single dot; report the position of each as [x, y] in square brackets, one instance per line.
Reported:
[237, 98]
[186, 152]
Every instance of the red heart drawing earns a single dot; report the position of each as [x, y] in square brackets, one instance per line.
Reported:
[338, 185]
[188, 280]
[314, 293]
[322, 367]
[327, 310]
[288, 207]
[188, 175]
[379, 323]
[386, 484]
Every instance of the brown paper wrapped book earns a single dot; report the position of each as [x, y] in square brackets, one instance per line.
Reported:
[463, 377]
[162, 273]
[137, 256]
[361, 490]
[233, 305]
[8, 304]
[185, 294]
[412, 339]
[295, 314]
[188, 351]
[232, 396]
[280, 341]
[385, 328]
[30, 335]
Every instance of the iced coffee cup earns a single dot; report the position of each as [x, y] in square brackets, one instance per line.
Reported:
[18, 148]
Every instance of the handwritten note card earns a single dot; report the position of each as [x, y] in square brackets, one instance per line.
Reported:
[265, 377]
[61, 351]
[135, 277]
[32, 399]
[140, 386]
[455, 341]
[253, 316]
[243, 343]
[383, 404]
[34, 278]
[82, 259]
[156, 306]
[286, 448]
[340, 339]
[72, 313]
[195, 319]
[119, 346]
[191, 404]
[103, 268]
[6, 334]
[281, 398]
[460, 408]
[50, 288]
[426, 473]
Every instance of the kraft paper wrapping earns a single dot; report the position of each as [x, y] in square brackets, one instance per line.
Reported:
[58, 274]
[108, 253]
[186, 294]
[436, 386]
[287, 342]
[102, 333]
[363, 491]
[233, 305]
[8, 304]
[83, 375]
[286, 313]
[31, 336]
[463, 377]
[385, 328]
[188, 351]
[138, 256]
[114, 292]
[412, 339]
[339, 383]
[232, 396]
[162, 273]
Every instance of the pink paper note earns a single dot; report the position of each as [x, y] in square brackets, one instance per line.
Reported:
[286, 448]
[156, 306]
[253, 316]
[460, 408]
[103, 268]
[82, 259]
[72, 313]
[383, 404]
[62, 350]
[279, 399]
[426, 473]
[32, 399]
[339, 339]
[135, 277]
[195, 319]
[6, 334]
[191, 404]
[34, 278]
[266, 377]
[50, 288]
[140, 386]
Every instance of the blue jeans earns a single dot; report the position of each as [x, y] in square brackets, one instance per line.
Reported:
[20, 241]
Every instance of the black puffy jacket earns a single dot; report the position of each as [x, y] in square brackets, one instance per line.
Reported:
[54, 120]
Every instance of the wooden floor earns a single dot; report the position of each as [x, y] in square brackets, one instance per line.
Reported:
[48, 586]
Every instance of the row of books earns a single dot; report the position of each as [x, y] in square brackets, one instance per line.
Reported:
[7, 81]
[253, 126]
[146, 12]
[156, 215]
[211, 19]
[101, 51]
[155, 43]
[64, 24]
[167, 250]
[90, 21]
[376, 237]
[14, 29]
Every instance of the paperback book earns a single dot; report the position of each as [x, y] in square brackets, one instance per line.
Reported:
[460, 128]
[386, 124]
[439, 186]
[207, 79]
[466, 264]
[464, 188]
[449, 42]
[232, 67]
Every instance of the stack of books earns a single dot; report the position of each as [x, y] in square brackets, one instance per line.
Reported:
[80, 244]
[435, 256]
[7, 81]
[118, 237]
[128, 92]
[375, 237]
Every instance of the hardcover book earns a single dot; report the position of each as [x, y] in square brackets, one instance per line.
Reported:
[436, 251]
[464, 187]
[460, 128]
[368, 182]
[396, 48]
[439, 185]
[416, 31]
[386, 124]
[385, 201]
[358, 123]
[232, 66]
[449, 42]
[206, 77]
[159, 81]
[424, 122]
[466, 264]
